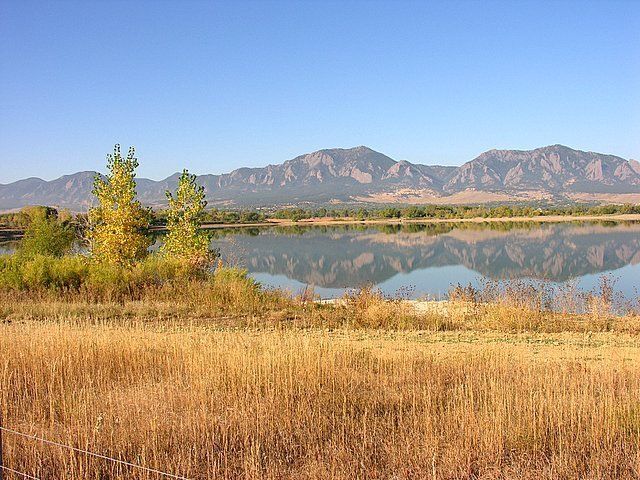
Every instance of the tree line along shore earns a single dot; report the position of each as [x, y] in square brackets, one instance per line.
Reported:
[428, 213]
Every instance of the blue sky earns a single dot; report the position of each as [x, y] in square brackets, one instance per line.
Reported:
[212, 86]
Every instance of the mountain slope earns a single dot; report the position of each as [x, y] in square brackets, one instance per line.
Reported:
[362, 174]
[69, 191]
[555, 168]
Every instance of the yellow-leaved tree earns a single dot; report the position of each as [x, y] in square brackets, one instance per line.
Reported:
[185, 240]
[118, 225]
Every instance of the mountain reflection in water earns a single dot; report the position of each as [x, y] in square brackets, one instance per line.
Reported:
[430, 257]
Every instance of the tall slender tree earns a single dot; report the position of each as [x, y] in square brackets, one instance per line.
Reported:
[118, 225]
[185, 240]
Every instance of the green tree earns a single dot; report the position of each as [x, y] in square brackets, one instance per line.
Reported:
[118, 225]
[46, 233]
[185, 240]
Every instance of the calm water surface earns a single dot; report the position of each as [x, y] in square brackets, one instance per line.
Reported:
[426, 260]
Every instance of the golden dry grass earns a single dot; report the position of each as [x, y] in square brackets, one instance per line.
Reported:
[210, 402]
[236, 302]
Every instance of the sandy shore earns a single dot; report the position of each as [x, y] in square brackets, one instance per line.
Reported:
[420, 307]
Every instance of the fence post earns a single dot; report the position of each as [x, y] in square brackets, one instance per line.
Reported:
[1, 462]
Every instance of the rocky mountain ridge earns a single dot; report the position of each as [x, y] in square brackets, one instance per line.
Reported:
[364, 175]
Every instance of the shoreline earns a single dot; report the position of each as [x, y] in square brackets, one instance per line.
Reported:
[391, 221]
[11, 233]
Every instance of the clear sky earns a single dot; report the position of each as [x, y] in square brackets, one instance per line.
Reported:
[212, 86]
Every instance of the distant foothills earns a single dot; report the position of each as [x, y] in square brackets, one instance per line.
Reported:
[361, 175]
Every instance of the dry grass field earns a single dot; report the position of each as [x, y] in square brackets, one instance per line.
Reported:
[219, 399]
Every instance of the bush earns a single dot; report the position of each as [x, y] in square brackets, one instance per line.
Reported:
[46, 234]
[232, 274]
[371, 309]
[106, 280]
[157, 278]
[157, 269]
[41, 272]
[10, 273]
[77, 273]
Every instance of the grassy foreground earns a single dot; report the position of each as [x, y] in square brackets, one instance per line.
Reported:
[220, 379]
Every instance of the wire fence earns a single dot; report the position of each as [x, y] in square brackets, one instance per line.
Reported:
[79, 450]
[21, 474]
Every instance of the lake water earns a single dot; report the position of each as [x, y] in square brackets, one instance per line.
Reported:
[425, 260]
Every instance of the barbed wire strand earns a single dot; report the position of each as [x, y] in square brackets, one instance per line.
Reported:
[24, 475]
[98, 455]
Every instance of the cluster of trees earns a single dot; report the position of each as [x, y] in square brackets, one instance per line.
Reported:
[23, 218]
[417, 212]
[116, 231]
[48, 232]
[216, 216]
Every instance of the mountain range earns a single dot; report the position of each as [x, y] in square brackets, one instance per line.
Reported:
[360, 174]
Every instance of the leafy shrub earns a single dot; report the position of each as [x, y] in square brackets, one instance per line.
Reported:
[65, 273]
[77, 273]
[40, 272]
[158, 269]
[106, 280]
[10, 273]
[233, 274]
[46, 234]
